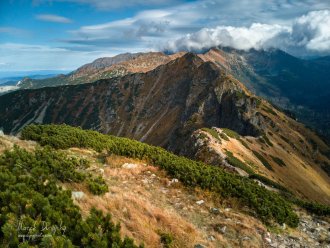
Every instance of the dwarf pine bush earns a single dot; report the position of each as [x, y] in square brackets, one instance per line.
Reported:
[267, 205]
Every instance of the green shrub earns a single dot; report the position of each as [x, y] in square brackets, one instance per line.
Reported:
[313, 207]
[202, 135]
[269, 182]
[244, 144]
[279, 161]
[267, 140]
[240, 94]
[212, 132]
[97, 186]
[258, 101]
[166, 239]
[267, 205]
[261, 139]
[230, 133]
[288, 141]
[223, 136]
[263, 160]
[30, 197]
[269, 110]
[231, 159]
[285, 139]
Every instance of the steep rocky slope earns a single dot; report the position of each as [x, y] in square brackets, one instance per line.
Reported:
[269, 156]
[298, 85]
[138, 105]
[166, 105]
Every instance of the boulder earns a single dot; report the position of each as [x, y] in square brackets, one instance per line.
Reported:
[215, 211]
[129, 166]
[78, 195]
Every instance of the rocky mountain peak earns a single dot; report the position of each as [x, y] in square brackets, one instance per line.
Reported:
[108, 61]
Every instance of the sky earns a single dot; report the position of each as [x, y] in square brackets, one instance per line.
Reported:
[65, 34]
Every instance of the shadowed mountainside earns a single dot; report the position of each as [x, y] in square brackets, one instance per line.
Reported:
[301, 87]
[297, 85]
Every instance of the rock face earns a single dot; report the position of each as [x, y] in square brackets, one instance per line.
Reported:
[160, 107]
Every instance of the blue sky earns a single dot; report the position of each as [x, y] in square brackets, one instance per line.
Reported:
[64, 34]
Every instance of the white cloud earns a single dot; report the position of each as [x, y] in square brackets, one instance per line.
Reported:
[312, 31]
[113, 4]
[191, 25]
[237, 37]
[308, 34]
[139, 32]
[201, 24]
[53, 18]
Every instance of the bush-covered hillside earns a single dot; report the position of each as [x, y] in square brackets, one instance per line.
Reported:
[35, 211]
[266, 205]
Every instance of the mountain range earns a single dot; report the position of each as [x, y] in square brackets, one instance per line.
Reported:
[301, 87]
[168, 104]
[297, 86]
[176, 135]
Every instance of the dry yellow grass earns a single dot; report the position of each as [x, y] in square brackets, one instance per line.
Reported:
[8, 142]
[301, 174]
[146, 203]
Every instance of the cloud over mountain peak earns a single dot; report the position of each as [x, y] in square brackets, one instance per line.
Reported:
[308, 34]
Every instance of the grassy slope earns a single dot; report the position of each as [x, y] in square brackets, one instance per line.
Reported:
[268, 206]
[148, 205]
[287, 152]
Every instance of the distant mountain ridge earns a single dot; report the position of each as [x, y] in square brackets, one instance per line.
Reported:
[14, 79]
[296, 85]
[104, 68]
[104, 62]
[300, 86]
[166, 105]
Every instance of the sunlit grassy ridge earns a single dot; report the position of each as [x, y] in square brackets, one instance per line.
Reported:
[268, 206]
